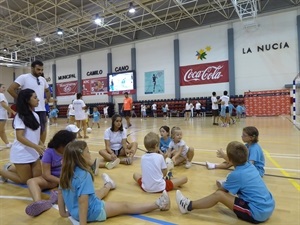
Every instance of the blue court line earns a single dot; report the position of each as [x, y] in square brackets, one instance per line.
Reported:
[153, 220]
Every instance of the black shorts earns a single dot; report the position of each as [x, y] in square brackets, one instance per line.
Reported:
[117, 152]
[227, 109]
[242, 210]
[127, 113]
[43, 120]
[215, 112]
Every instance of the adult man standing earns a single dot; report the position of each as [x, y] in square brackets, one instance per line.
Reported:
[126, 108]
[36, 82]
[214, 108]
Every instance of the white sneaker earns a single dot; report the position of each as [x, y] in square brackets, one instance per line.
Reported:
[182, 202]
[163, 202]
[107, 179]
[188, 165]
[112, 164]
[5, 167]
[210, 166]
[8, 145]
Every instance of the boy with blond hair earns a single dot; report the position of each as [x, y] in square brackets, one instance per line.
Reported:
[154, 169]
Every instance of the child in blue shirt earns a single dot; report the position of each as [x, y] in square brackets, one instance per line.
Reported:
[78, 198]
[96, 117]
[256, 155]
[244, 192]
[165, 139]
[53, 115]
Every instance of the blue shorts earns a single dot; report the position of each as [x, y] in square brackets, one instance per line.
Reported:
[102, 214]
[242, 211]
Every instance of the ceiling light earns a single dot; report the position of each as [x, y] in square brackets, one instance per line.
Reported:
[131, 8]
[99, 21]
[37, 38]
[60, 31]
[5, 49]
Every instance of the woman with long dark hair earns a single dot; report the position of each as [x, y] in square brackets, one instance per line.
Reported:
[27, 148]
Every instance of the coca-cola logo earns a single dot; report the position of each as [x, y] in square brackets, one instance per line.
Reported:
[210, 73]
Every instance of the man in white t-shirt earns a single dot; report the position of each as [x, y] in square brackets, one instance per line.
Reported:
[154, 109]
[36, 82]
[225, 99]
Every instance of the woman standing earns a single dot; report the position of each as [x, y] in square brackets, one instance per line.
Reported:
[80, 115]
[4, 108]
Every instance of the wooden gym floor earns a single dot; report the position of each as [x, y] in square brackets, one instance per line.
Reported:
[278, 137]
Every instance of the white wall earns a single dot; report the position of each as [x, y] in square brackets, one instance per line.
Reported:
[6, 78]
[66, 66]
[153, 55]
[254, 71]
[190, 42]
[94, 61]
[266, 70]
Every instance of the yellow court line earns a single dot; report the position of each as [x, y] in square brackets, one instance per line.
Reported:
[286, 174]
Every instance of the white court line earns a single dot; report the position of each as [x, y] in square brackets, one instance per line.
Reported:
[274, 155]
[16, 197]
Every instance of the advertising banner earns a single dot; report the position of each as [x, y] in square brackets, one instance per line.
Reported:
[155, 82]
[66, 88]
[208, 73]
[94, 86]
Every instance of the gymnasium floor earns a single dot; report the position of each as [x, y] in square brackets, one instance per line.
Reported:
[278, 137]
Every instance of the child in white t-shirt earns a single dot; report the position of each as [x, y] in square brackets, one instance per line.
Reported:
[178, 151]
[154, 169]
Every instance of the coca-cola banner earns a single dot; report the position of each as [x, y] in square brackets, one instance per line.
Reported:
[66, 88]
[208, 73]
[94, 86]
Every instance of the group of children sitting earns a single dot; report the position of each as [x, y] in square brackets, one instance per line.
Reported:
[67, 164]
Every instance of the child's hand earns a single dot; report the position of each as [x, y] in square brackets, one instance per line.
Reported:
[220, 153]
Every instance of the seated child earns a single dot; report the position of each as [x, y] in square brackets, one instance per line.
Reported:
[244, 191]
[154, 169]
[165, 139]
[178, 151]
[256, 156]
[78, 198]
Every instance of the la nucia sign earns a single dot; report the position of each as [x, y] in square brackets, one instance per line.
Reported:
[266, 47]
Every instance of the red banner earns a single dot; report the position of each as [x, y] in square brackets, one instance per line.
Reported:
[94, 86]
[66, 88]
[207, 73]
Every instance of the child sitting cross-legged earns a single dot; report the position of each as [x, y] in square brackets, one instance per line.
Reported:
[154, 169]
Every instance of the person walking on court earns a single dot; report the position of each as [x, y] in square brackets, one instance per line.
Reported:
[215, 108]
[4, 109]
[244, 191]
[78, 198]
[38, 83]
[126, 109]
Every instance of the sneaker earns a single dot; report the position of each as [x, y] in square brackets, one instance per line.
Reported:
[112, 164]
[163, 202]
[95, 166]
[107, 179]
[219, 183]
[127, 161]
[210, 166]
[182, 202]
[53, 197]
[169, 175]
[5, 167]
[188, 165]
[216, 124]
[8, 145]
[36, 208]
